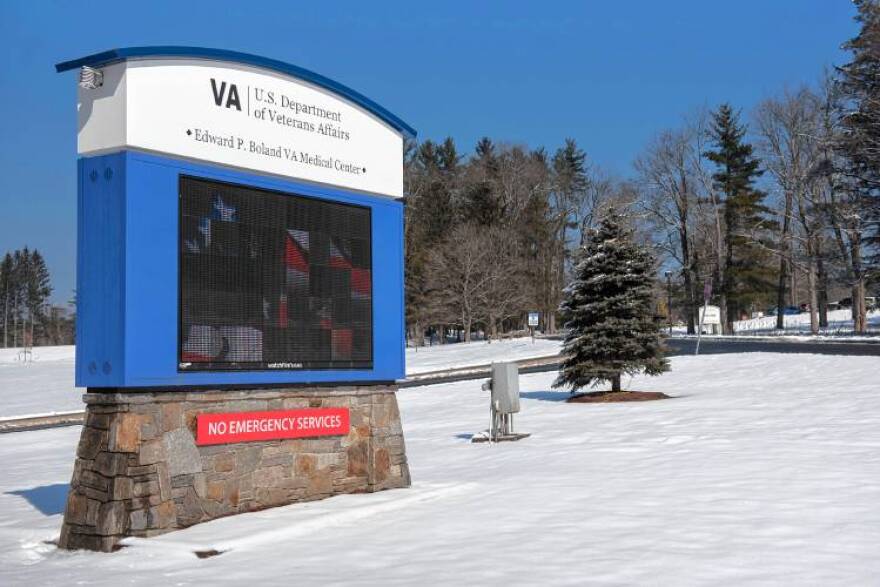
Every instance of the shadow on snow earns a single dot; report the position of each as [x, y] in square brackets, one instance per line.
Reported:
[547, 396]
[48, 499]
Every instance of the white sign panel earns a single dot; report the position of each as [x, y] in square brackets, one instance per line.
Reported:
[712, 315]
[244, 117]
[533, 318]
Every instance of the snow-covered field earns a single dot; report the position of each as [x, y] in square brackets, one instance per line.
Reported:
[41, 386]
[764, 469]
[447, 356]
[45, 385]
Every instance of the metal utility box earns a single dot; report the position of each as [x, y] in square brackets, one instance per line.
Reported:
[505, 387]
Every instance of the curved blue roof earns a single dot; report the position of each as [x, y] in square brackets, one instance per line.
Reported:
[116, 55]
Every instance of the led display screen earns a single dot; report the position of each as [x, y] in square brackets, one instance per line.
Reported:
[270, 280]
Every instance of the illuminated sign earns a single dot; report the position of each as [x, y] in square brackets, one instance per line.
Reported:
[272, 281]
[239, 224]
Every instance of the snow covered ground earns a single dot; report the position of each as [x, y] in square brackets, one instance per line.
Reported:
[764, 469]
[41, 386]
[45, 385]
[447, 356]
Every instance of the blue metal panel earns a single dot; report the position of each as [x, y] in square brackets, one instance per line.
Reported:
[116, 55]
[100, 272]
[146, 278]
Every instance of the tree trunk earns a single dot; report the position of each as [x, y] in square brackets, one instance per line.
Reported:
[726, 324]
[615, 383]
[859, 311]
[442, 334]
[823, 292]
[686, 261]
[690, 301]
[814, 298]
[722, 310]
[557, 289]
[466, 323]
[785, 265]
[6, 321]
[780, 293]
[720, 271]
[858, 287]
[688, 275]
[863, 306]
[15, 322]
[728, 307]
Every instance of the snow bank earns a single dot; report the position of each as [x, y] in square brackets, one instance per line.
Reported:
[764, 469]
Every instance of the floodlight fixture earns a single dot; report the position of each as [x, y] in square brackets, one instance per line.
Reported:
[90, 78]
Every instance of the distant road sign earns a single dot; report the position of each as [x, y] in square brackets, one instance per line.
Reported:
[533, 318]
[712, 315]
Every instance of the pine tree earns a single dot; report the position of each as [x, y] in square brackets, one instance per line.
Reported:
[608, 311]
[859, 84]
[6, 284]
[37, 289]
[746, 275]
[480, 203]
[859, 110]
[21, 260]
[569, 185]
[570, 167]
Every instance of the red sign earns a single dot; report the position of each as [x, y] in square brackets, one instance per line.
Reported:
[251, 426]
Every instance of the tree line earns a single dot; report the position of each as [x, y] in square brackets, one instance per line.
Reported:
[776, 207]
[489, 234]
[25, 287]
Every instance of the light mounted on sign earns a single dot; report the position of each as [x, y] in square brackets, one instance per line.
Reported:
[90, 78]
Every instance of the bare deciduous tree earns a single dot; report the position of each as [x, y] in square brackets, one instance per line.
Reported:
[669, 182]
[789, 130]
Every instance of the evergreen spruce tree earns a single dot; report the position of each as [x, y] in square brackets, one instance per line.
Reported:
[480, 203]
[38, 288]
[6, 284]
[21, 260]
[747, 275]
[859, 165]
[859, 85]
[608, 311]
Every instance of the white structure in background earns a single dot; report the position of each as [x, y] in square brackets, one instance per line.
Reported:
[710, 318]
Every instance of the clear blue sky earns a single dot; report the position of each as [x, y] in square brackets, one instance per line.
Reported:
[609, 74]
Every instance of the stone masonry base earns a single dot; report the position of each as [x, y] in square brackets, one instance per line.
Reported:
[138, 470]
